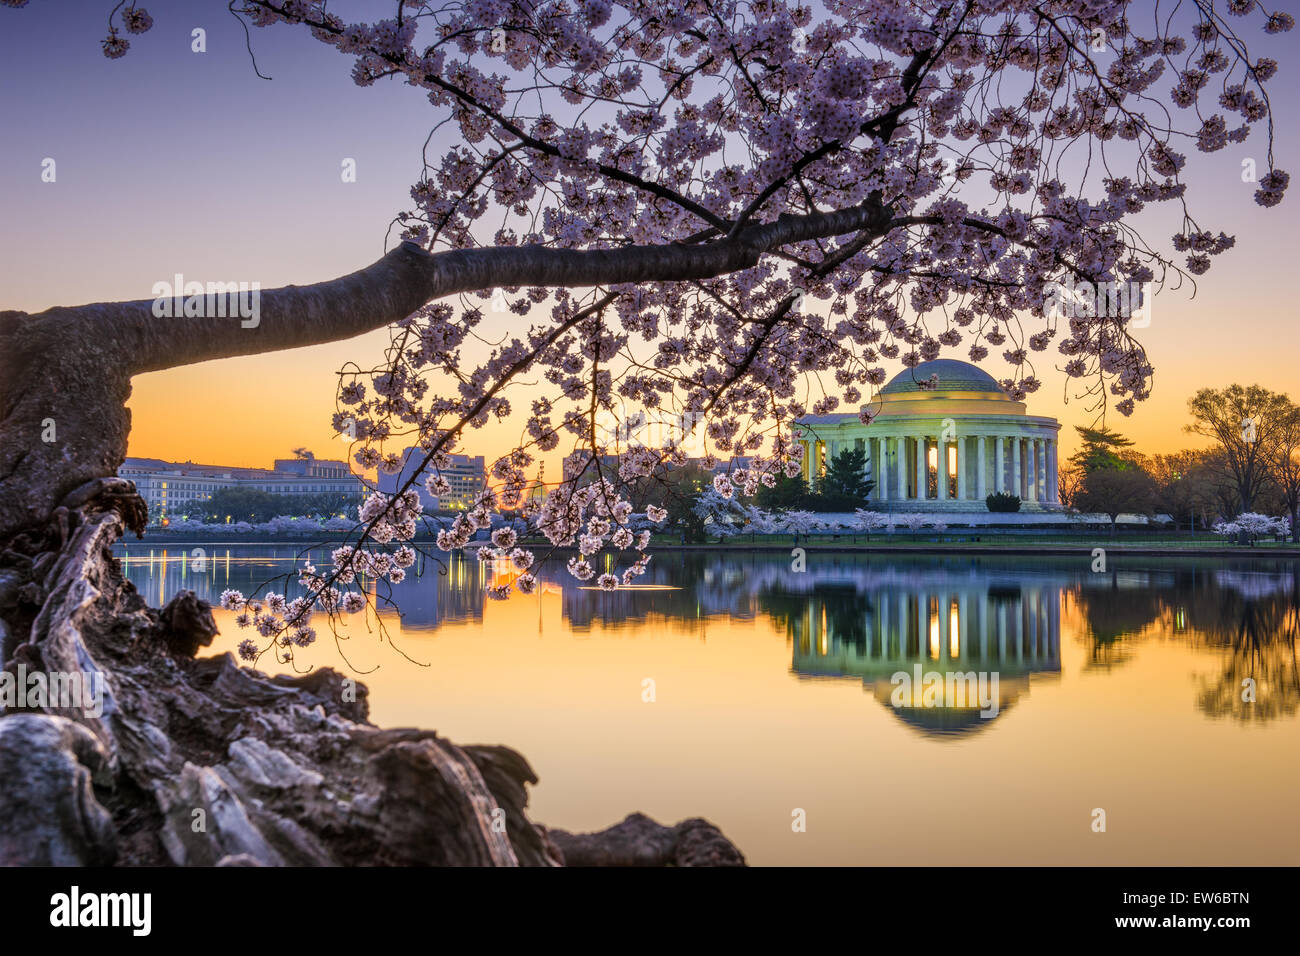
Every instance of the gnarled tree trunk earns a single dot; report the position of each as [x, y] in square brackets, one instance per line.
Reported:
[202, 762]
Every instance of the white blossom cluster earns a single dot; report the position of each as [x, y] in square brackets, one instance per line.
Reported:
[595, 517]
[1253, 524]
[284, 624]
[746, 481]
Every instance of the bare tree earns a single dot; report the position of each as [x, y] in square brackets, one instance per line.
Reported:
[1186, 486]
[1113, 492]
[1284, 468]
[1069, 481]
[1246, 423]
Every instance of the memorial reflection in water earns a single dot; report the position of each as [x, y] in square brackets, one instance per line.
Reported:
[775, 685]
[861, 617]
[972, 625]
[919, 642]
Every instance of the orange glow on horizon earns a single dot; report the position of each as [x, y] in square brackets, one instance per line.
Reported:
[270, 404]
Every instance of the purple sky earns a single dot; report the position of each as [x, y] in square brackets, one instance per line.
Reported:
[170, 161]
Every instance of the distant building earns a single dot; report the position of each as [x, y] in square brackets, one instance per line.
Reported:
[180, 489]
[942, 437]
[313, 467]
[466, 475]
[577, 463]
[724, 465]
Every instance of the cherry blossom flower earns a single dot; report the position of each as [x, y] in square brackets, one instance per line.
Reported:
[137, 19]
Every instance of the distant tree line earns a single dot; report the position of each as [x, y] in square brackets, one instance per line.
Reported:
[1253, 464]
[255, 506]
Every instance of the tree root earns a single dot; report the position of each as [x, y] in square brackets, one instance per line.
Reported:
[202, 762]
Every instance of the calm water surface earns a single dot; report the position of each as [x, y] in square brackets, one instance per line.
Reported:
[772, 693]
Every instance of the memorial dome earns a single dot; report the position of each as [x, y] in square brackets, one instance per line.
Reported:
[953, 376]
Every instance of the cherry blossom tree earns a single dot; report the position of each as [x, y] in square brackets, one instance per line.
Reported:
[913, 521]
[722, 514]
[764, 522]
[1251, 525]
[731, 212]
[869, 521]
[799, 522]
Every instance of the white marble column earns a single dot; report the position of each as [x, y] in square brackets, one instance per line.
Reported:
[999, 463]
[1053, 478]
[888, 471]
[980, 465]
[963, 489]
[941, 469]
[1017, 479]
[900, 448]
[875, 448]
[1048, 471]
[1032, 469]
[869, 463]
[1042, 469]
[1036, 468]
[922, 469]
[1027, 467]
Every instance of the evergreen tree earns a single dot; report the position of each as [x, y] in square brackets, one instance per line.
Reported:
[846, 476]
[1102, 448]
[787, 493]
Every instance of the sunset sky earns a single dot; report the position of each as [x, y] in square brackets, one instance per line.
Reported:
[170, 161]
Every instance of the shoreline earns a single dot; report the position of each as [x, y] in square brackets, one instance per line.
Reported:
[1111, 547]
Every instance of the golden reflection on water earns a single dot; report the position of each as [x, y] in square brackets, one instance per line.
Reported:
[1105, 699]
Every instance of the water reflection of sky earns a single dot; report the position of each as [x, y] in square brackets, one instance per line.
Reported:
[850, 617]
[1120, 689]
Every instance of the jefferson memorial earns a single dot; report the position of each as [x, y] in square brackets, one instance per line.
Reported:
[943, 448]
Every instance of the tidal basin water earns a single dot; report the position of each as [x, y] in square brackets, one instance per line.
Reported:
[774, 692]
